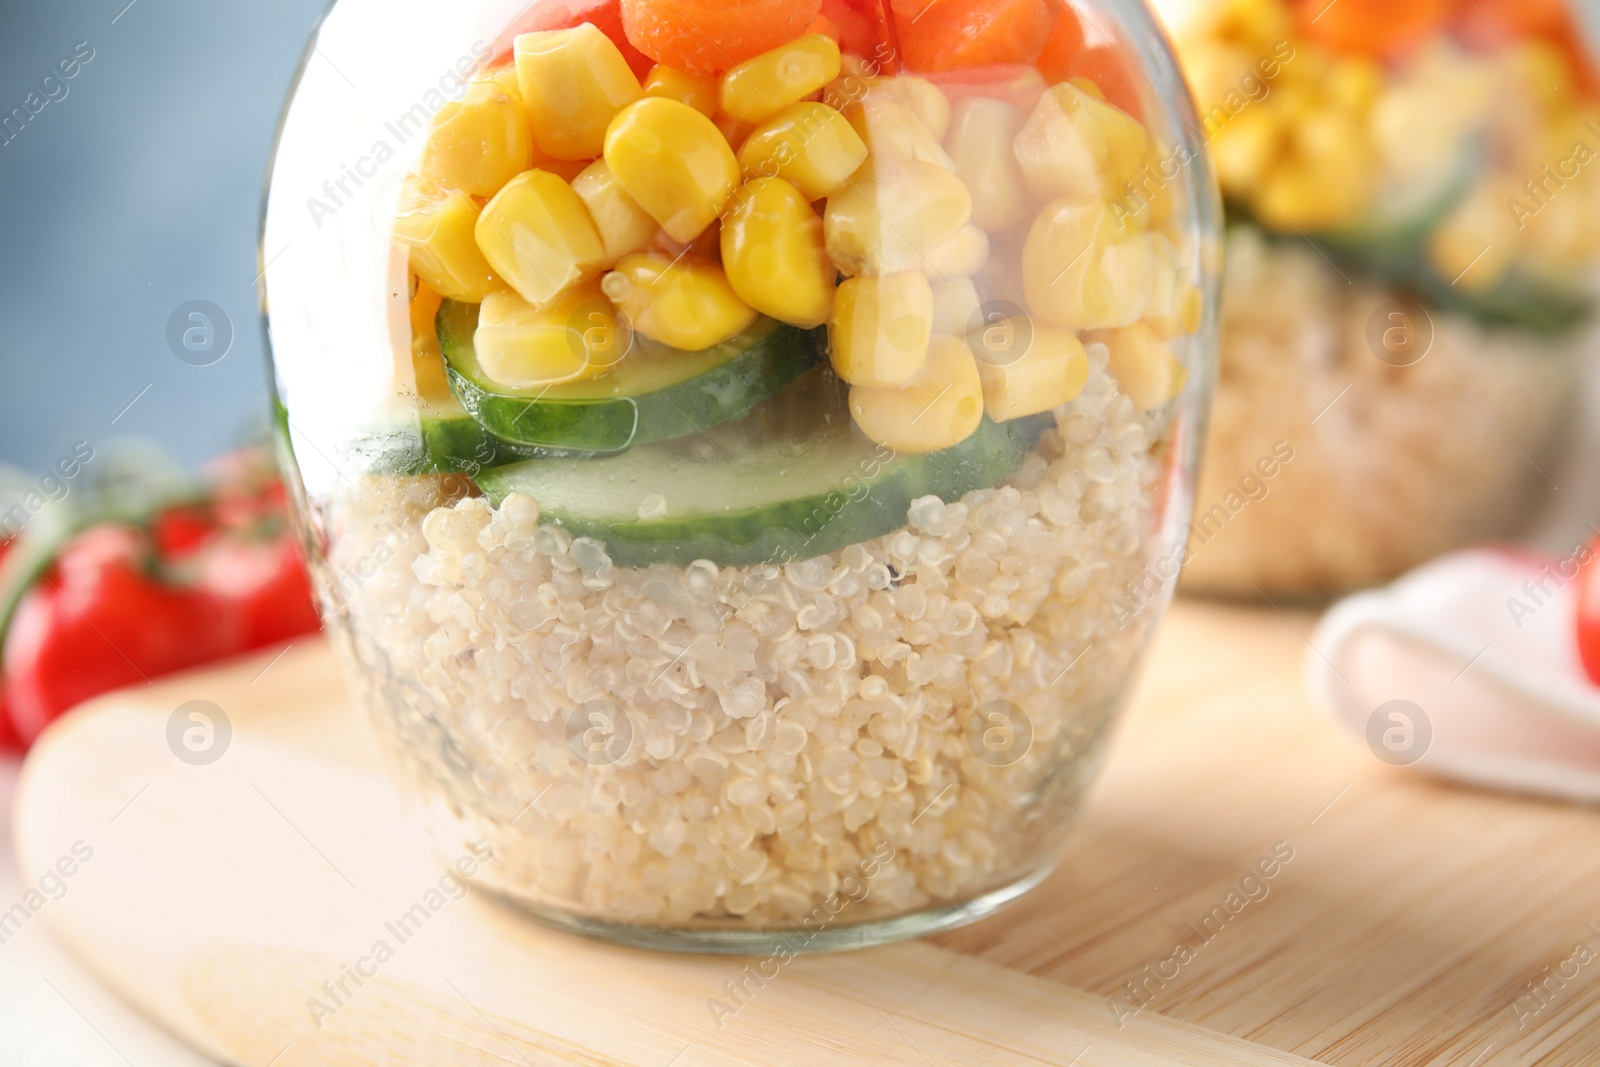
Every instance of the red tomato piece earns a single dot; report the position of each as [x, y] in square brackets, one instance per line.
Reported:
[1110, 69]
[1062, 47]
[268, 587]
[947, 35]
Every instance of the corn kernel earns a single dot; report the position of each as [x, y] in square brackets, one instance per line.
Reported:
[538, 236]
[1299, 194]
[573, 84]
[889, 127]
[1175, 305]
[578, 337]
[881, 325]
[674, 162]
[480, 142]
[624, 226]
[774, 255]
[1476, 243]
[788, 74]
[427, 358]
[811, 145]
[1075, 144]
[925, 99]
[940, 406]
[982, 133]
[1247, 147]
[963, 254]
[1145, 369]
[1051, 371]
[891, 215]
[1081, 270]
[687, 304]
[699, 91]
[955, 305]
[436, 225]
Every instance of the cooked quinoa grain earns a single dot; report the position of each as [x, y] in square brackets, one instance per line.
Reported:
[722, 747]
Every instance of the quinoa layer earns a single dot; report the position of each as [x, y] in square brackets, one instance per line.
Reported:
[1391, 465]
[732, 747]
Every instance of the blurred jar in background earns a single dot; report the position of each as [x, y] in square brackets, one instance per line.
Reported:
[1414, 223]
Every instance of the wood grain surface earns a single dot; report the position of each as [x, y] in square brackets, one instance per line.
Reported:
[1251, 887]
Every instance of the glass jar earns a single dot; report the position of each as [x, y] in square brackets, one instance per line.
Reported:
[1411, 245]
[744, 450]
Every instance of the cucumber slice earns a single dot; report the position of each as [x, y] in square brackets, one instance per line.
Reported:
[794, 480]
[442, 439]
[656, 393]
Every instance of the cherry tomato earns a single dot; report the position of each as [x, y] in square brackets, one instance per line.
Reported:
[267, 584]
[99, 621]
[1589, 614]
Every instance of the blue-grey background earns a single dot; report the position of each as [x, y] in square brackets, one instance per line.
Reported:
[137, 192]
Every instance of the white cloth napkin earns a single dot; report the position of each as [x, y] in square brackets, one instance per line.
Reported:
[1468, 668]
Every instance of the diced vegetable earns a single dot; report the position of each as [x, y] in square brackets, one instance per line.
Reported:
[1377, 26]
[1076, 144]
[805, 484]
[963, 254]
[686, 304]
[606, 15]
[891, 216]
[808, 144]
[940, 406]
[937, 35]
[700, 91]
[573, 84]
[981, 139]
[674, 162]
[1065, 272]
[436, 225]
[577, 337]
[892, 132]
[1051, 371]
[881, 328]
[1063, 44]
[925, 99]
[537, 234]
[624, 226]
[653, 394]
[757, 88]
[1106, 68]
[480, 142]
[774, 255]
[1145, 368]
[712, 36]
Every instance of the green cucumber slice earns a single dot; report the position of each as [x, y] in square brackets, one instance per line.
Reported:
[441, 439]
[655, 394]
[794, 480]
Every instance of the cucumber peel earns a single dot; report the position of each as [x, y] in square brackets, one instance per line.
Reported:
[793, 481]
[655, 393]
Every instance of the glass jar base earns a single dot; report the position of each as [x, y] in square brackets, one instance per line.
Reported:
[797, 939]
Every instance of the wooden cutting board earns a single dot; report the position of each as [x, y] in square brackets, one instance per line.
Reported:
[1405, 928]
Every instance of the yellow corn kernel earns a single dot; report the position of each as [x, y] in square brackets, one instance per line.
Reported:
[1356, 82]
[624, 226]
[756, 88]
[982, 133]
[810, 145]
[925, 99]
[1175, 305]
[1145, 369]
[1299, 194]
[1081, 270]
[963, 254]
[578, 337]
[699, 91]
[1050, 371]
[436, 225]
[773, 253]
[881, 325]
[955, 305]
[427, 358]
[674, 162]
[941, 406]
[891, 130]
[1475, 245]
[1248, 147]
[891, 215]
[573, 84]
[1077, 144]
[687, 304]
[538, 236]
[480, 142]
